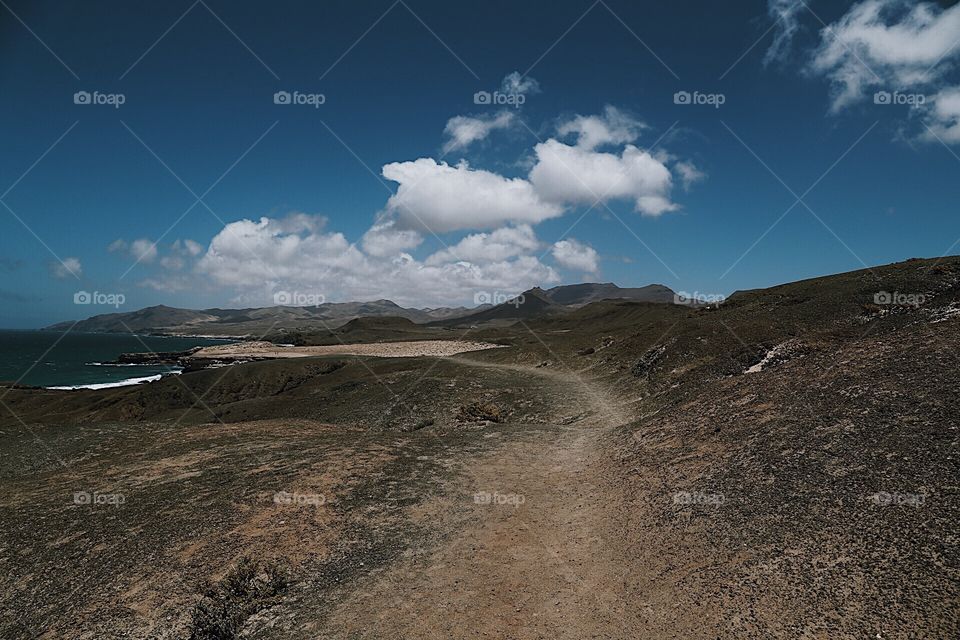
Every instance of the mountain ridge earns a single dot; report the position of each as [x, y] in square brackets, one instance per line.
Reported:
[166, 320]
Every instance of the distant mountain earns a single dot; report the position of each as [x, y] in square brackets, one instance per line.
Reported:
[250, 322]
[534, 303]
[142, 321]
[580, 294]
[530, 304]
[538, 303]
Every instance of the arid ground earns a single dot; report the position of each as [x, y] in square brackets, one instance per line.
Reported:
[784, 466]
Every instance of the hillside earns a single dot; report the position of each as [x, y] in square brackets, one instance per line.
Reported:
[781, 466]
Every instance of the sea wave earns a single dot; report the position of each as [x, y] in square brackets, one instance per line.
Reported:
[110, 385]
[118, 364]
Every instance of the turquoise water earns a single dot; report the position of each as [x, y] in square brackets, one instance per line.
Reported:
[51, 358]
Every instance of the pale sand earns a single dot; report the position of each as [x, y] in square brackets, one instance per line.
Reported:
[380, 349]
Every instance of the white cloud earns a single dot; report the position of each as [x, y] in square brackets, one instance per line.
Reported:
[497, 246]
[287, 250]
[573, 254]
[576, 175]
[462, 131]
[689, 173]
[384, 239]
[889, 45]
[785, 14]
[514, 83]
[172, 262]
[612, 127]
[257, 258]
[180, 252]
[192, 248]
[455, 283]
[943, 117]
[141, 250]
[438, 197]
[68, 267]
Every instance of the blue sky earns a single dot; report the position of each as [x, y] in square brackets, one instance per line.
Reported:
[399, 185]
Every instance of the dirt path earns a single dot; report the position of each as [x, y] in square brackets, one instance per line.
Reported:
[526, 554]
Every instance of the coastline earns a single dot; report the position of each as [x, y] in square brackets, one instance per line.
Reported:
[230, 354]
[67, 360]
[112, 385]
[225, 338]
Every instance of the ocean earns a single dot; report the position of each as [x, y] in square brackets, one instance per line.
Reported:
[56, 359]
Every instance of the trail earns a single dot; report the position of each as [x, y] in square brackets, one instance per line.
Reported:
[536, 565]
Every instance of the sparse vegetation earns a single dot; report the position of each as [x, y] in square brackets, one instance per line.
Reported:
[246, 589]
[481, 411]
[847, 405]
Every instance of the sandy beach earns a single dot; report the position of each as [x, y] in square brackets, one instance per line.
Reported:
[436, 348]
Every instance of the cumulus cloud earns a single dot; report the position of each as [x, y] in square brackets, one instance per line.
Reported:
[180, 252]
[172, 262]
[191, 247]
[385, 239]
[785, 14]
[887, 44]
[611, 127]
[437, 197]
[573, 254]
[268, 255]
[462, 131]
[277, 250]
[68, 267]
[497, 246]
[943, 117]
[498, 252]
[577, 175]
[434, 196]
[141, 250]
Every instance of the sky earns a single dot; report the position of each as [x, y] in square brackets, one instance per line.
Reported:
[240, 154]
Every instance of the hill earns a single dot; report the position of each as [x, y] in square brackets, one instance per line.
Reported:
[323, 318]
[578, 294]
[539, 303]
[248, 322]
[781, 466]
